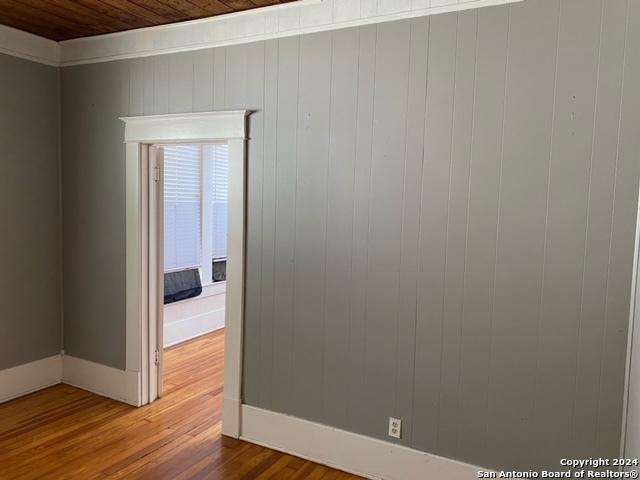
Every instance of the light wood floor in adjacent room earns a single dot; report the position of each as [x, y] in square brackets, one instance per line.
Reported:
[67, 433]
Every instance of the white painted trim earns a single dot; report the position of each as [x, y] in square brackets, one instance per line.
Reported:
[28, 46]
[235, 282]
[30, 377]
[630, 432]
[143, 211]
[350, 452]
[231, 415]
[109, 382]
[296, 18]
[278, 21]
[190, 127]
[155, 248]
[106, 381]
[135, 196]
[193, 327]
[209, 289]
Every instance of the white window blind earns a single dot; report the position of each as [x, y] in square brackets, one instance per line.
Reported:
[182, 207]
[220, 199]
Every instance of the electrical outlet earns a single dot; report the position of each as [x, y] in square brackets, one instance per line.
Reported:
[395, 427]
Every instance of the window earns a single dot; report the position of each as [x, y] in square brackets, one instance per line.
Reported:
[182, 207]
[220, 199]
[196, 197]
[216, 159]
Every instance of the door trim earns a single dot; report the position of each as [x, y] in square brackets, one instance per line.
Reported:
[142, 240]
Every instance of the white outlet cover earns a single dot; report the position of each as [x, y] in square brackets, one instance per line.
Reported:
[395, 427]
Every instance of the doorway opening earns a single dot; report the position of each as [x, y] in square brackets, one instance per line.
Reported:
[146, 139]
[194, 206]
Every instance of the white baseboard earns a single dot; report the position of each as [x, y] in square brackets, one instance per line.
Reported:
[109, 382]
[30, 377]
[192, 327]
[347, 451]
[231, 417]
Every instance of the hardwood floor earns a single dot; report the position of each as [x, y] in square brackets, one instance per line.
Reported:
[67, 433]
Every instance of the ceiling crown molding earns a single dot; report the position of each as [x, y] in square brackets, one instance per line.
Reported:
[28, 46]
[288, 19]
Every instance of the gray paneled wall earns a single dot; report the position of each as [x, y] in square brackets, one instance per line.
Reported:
[441, 221]
[29, 212]
[94, 211]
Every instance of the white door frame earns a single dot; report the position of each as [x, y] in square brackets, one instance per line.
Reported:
[630, 435]
[143, 240]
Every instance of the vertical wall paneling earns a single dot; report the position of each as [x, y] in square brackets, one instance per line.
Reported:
[385, 223]
[267, 271]
[436, 174]
[368, 8]
[361, 206]
[286, 166]
[253, 60]
[629, 123]
[288, 19]
[202, 81]
[622, 242]
[388, 6]
[236, 77]
[317, 14]
[136, 87]
[314, 102]
[345, 10]
[219, 77]
[149, 85]
[181, 91]
[484, 188]
[412, 158]
[442, 3]
[415, 4]
[570, 164]
[527, 143]
[456, 230]
[441, 217]
[161, 85]
[598, 233]
[340, 193]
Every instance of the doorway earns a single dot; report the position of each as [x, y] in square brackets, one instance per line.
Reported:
[144, 138]
[193, 205]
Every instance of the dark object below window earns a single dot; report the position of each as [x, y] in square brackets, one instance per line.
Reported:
[181, 285]
[219, 269]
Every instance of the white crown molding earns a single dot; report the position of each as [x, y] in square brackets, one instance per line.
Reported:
[30, 377]
[28, 46]
[296, 18]
[266, 23]
[350, 452]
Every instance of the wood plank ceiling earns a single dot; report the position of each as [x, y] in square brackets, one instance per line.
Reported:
[66, 19]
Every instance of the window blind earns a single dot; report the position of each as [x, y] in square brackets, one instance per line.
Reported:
[220, 200]
[182, 207]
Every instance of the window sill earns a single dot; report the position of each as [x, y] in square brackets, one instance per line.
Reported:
[209, 289]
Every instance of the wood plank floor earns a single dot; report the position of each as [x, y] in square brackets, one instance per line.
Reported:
[66, 433]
